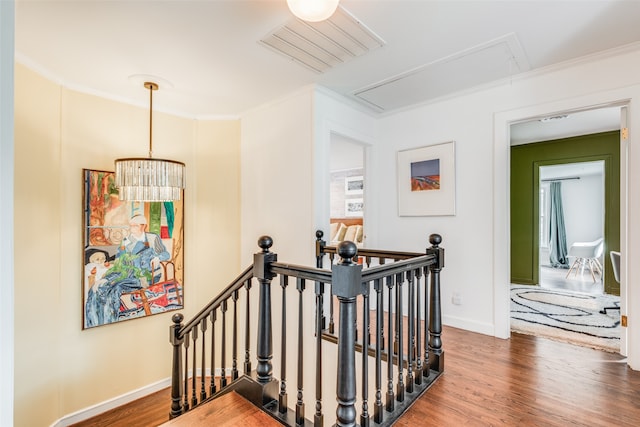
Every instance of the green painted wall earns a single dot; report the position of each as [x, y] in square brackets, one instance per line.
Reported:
[525, 164]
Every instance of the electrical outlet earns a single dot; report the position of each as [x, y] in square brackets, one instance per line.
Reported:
[456, 299]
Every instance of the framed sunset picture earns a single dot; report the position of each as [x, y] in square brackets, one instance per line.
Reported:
[426, 180]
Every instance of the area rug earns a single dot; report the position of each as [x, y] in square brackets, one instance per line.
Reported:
[566, 316]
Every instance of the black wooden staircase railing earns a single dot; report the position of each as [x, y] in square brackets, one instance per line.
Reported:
[394, 284]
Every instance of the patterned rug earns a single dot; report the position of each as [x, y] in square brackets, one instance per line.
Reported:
[566, 316]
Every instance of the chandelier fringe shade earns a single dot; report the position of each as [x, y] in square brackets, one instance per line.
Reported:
[149, 179]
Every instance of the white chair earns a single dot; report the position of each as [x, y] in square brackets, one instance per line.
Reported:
[587, 254]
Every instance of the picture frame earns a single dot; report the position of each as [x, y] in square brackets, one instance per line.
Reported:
[426, 180]
[354, 185]
[133, 260]
[354, 207]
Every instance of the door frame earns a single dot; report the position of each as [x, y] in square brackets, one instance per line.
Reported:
[501, 201]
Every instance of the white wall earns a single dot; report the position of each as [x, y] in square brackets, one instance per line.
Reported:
[477, 237]
[583, 205]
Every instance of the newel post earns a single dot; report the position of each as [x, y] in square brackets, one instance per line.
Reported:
[320, 245]
[346, 285]
[262, 272]
[176, 367]
[436, 354]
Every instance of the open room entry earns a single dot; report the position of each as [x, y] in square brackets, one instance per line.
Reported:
[347, 191]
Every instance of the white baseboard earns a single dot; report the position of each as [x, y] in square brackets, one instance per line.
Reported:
[112, 403]
[123, 399]
[468, 325]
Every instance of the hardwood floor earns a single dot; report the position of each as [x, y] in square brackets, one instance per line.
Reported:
[524, 381]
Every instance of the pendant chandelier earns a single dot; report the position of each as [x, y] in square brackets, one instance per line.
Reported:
[148, 179]
[313, 10]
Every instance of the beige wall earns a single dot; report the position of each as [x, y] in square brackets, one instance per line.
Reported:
[58, 132]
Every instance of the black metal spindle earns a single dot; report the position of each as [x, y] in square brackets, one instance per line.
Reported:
[223, 347]
[300, 285]
[247, 330]
[203, 361]
[410, 338]
[426, 371]
[194, 398]
[234, 352]
[390, 394]
[418, 347]
[400, 333]
[318, 417]
[377, 407]
[185, 403]
[176, 383]
[364, 416]
[212, 384]
[282, 397]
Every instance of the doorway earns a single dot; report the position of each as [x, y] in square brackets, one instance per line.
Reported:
[588, 167]
[571, 227]
[347, 190]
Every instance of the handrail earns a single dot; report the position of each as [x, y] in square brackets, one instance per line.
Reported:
[217, 301]
[385, 270]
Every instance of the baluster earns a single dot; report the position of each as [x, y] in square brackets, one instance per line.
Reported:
[400, 333]
[203, 369]
[377, 408]
[223, 347]
[418, 329]
[194, 398]
[390, 395]
[185, 404]
[346, 285]
[410, 340]
[331, 323]
[425, 370]
[300, 285]
[382, 339]
[318, 418]
[247, 328]
[212, 384]
[176, 383]
[282, 398]
[234, 353]
[436, 360]
[364, 416]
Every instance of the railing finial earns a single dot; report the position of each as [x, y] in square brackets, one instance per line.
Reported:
[347, 251]
[319, 234]
[265, 242]
[177, 318]
[435, 239]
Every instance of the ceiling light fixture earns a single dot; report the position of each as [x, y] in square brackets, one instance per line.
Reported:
[313, 10]
[148, 179]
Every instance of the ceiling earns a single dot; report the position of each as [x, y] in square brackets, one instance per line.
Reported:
[209, 63]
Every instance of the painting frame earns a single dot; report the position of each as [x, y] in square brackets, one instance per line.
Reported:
[427, 180]
[132, 254]
[354, 185]
[354, 208]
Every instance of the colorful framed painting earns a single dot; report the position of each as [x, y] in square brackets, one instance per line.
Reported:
[133, 254]
[426, 181]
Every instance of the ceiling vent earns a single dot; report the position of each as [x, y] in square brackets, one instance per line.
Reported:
[488, 62]
[320, 46]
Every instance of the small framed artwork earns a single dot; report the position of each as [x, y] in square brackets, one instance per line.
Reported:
[353, 185]
[426, 181]
[132, 254]
[353, 207]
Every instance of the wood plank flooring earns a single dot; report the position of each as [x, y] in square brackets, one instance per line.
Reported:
[524, 381]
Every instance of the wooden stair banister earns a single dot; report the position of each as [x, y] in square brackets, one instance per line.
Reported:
[197, 343]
